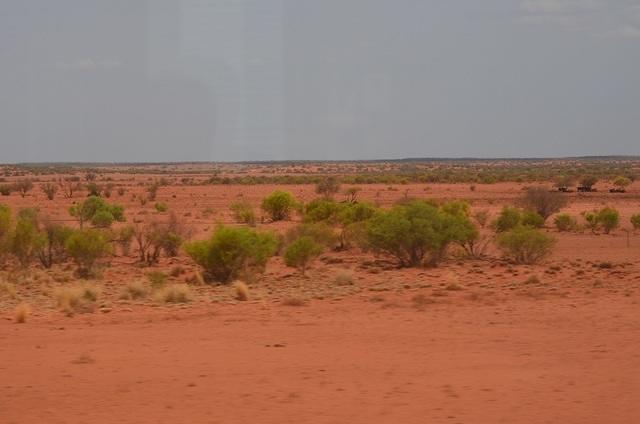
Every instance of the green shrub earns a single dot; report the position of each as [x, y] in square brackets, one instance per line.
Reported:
[565, 222]
[86, 247]
[622, 182]
[5, 190]
[322, 209]
[243, 212]
[525, 244]
[320, 232]
[609, 219]
[508, 219]
[230, 252]
[97, 211]
[532, 219]
[417, 232]
[161, 207]
[592, 220]
[635, 221]
[54, 238]
[279, 205]
[301, 252]
[25, 241]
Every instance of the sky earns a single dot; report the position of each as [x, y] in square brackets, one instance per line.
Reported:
[245, 80]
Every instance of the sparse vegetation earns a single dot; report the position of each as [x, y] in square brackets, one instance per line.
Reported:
[243, 212]
[86, 247]
[279, 205]
[565, 222]
[174, 293]
[543, 201]
[301, 252]
[232, 253]
[526, 245]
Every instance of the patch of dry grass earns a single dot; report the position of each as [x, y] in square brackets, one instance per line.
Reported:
[8, 289]
[22, 313]
[294, 301]
[134, 290]
[344, 278]
[77, 299]
[174, 293]
[241, 291]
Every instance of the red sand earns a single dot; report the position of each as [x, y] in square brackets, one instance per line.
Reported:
[566, 360]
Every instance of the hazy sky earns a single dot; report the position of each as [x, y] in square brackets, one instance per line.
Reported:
[179, 80]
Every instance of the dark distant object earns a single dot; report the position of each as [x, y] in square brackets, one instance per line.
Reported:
[565, 190]
[584, 189]
[617, 190]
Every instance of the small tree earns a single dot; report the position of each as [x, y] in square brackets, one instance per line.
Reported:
[97, 211]
[49, 189]
[543, 201]
[86, 247]
[54, 238]
[232, 252]
[70, 185]
[301, 253]
[531, 219]
[526, 245]
[279, 205]
[23, 186]
[6, 190]
[328, 186]
[609, 219]
[322, 209]
[352, 194]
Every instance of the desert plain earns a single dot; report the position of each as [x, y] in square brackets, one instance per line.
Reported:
[356, 339]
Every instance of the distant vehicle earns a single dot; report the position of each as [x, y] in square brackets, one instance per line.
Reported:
[584, 189]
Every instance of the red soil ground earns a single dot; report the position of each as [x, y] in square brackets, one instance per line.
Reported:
[469, 342]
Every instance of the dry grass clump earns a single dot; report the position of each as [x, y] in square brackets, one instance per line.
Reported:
[344, 278]
[294, 301]
[8, 289]
[134, 290]
[22, 312]
[241, 291]
[174, 293]
[77, 299]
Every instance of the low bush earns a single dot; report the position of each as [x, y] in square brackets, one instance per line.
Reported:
[97, 211]
[301, 253]
[508, 219]
[49, 190]
[525, 244]
[134, 290]
[418, 232]
[531, 219]
[232, 253]
[161, 207]
[635, 221]
[77, 299]
[86, 247]
[565, 222]
[243, 212]
[279, 205]
[322, 209]
[609, 219]
[25, 240]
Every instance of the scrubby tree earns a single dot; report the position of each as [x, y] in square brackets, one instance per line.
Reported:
[328, 186]
[279, 205]
[417, 232]
[70, 185]
[543, 201]
[23, 186]
[97, 211]
[635, 221]
[49, 190]
[25, 240]
[609, 219]
[156, 237]
[301, 253]
[86, 247]
[53, 247]
[351, 194]
[526, 245]
[232, 253]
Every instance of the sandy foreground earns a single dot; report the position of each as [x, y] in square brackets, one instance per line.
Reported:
[574, 359]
